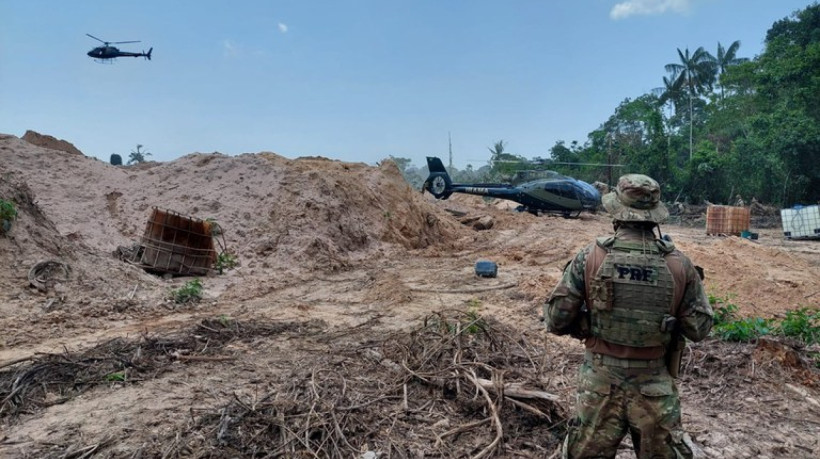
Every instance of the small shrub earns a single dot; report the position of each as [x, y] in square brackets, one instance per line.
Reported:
[118, 376]
[216, 229]
[191, 292]
[475, 322]
[225, 320]
[8, 213]
[803, 324]
[723, 314]
[225, 261]
[744, 330]
[729, 327]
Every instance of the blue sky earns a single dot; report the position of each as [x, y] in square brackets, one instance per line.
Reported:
[349, 80]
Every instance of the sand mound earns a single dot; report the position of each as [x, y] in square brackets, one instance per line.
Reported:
[308, 212]
[50, 142]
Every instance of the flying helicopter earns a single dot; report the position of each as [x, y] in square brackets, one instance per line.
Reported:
[108, 52]
[556, 194]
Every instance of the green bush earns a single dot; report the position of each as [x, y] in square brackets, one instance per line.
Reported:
[744, 330]
[8, 213]
[729, 327]
[225, 261]
[723, 314]
[118, 376]
[803, 324]
[191, 292]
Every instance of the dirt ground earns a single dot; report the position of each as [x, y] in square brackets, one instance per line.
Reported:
[354, 325]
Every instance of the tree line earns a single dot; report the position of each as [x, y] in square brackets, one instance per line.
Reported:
[718, 127]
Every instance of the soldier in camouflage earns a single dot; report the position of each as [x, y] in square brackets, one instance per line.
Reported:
[627, 296]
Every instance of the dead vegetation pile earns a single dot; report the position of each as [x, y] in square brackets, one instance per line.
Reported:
[52, 379]
[459, 385]
[729, 384]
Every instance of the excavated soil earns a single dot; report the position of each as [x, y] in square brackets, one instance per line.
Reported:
[354, 325]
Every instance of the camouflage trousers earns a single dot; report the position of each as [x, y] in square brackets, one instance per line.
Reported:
[613, 400]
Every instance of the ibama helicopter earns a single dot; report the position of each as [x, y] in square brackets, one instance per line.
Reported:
[108, 52]
[556, 194]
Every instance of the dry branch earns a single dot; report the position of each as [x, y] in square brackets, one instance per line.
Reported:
[803, 393]
[516, 390]
[16, 361]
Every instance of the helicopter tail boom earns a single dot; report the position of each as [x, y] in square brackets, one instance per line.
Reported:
[438, 183]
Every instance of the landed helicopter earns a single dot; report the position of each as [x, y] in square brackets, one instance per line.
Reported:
[108, 52]
[556, 194]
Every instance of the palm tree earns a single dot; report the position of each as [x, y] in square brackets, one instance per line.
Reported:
[672, 94]
[669, 93]
[695, 73]
[727, 58]
[497, 150]
[138, 156]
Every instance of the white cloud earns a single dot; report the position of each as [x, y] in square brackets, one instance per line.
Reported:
[283, 28]
[629, 8]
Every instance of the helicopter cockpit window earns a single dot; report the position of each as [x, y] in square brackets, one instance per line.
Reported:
[564, 190]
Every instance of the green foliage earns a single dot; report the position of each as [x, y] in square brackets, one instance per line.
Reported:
[225, 320]
[723, 314]
[474, 321]
[216, 229]
[225, 261]
[7, 210]
[803, 324]
[118, 376]
[191, 292]
[8, 213]
[466, 323]
[744, 330]
[720, 125]
[727, 326]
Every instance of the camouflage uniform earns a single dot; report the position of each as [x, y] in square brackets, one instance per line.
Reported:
[614, 295]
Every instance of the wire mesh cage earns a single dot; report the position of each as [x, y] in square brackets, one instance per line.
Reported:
[801, 222]
[727, 220]
[176, 244]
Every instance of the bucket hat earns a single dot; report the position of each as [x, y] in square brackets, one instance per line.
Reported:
[637, 198]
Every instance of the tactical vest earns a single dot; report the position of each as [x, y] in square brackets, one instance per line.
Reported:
[631, 293]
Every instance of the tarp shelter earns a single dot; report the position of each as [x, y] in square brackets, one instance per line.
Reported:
[173, 243]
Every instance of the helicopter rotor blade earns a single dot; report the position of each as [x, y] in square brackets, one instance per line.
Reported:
[123, 42]
[101, 41]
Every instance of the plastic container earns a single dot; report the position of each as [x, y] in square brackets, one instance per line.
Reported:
[486, 269]
[801, 222]
[749, 235]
